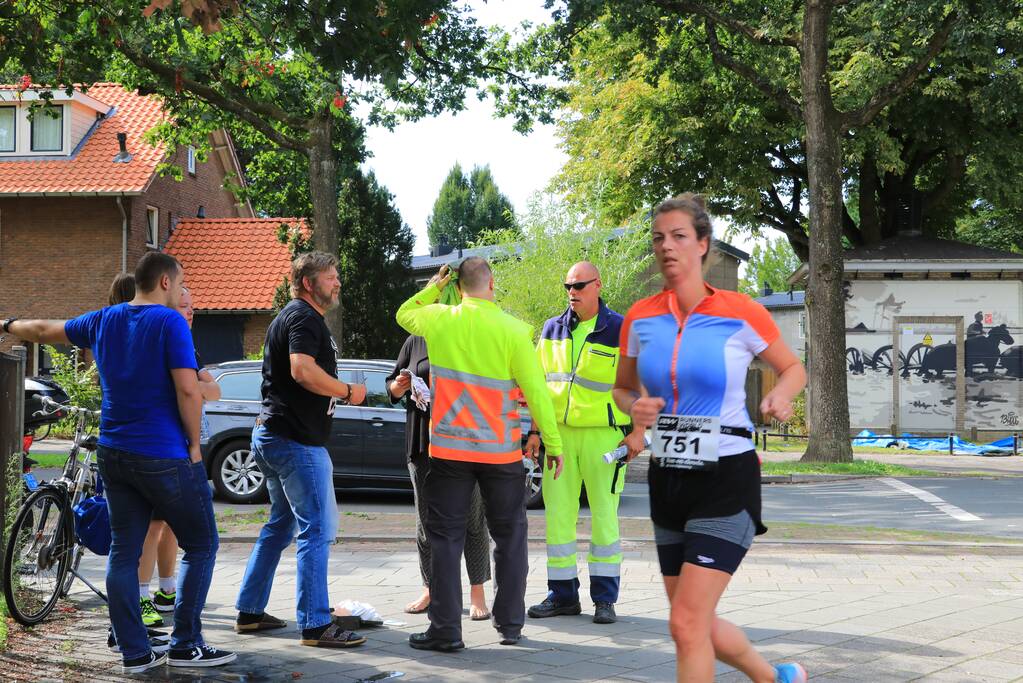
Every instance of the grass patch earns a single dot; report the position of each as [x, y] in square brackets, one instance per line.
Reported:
[804, 531]
[777, 445]
[3, 624]
[862, 467]
[49, 460]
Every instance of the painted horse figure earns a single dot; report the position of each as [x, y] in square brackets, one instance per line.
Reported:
[982, 350]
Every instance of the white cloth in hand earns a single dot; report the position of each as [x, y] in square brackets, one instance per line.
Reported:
[420, 392]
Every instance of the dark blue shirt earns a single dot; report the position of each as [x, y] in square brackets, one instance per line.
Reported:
[135, 348]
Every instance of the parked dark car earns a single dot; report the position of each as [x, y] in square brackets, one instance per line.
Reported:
[35, 389]
[366, 446]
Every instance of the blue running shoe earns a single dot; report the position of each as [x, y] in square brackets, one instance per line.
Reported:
[789, 673]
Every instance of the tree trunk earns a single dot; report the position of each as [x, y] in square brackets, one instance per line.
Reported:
[828, 401]
[323, 193]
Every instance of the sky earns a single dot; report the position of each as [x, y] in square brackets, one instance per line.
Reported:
[413, 159]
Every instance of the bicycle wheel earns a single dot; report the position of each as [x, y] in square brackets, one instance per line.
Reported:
[74, 559]
[35, 561]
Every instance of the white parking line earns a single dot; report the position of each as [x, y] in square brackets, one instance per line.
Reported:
[928, 497]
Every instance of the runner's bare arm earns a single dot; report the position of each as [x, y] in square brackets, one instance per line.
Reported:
[791, 380]
[631, 399]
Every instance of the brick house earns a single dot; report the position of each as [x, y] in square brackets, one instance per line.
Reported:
[233, 266]
[79, 202]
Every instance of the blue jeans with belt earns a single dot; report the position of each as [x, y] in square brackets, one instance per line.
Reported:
[300, 481]
[177, 489]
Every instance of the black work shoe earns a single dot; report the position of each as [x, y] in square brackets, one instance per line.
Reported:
[422, 641]
[549, 608]
[201, 655]
[159, 642]
[507, 639]
[604, 613]
[140, 664]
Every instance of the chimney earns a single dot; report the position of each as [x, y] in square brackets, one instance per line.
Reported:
[123, 156]
[767, 290]
[441, 249]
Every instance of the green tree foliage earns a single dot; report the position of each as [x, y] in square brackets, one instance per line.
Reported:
[770, 263]
[530, 266]
[375, 253]
[288, 69]
[467, 206]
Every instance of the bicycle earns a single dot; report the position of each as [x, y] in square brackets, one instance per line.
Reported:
[43, 551]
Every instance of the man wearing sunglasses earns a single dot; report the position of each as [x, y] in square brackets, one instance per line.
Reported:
[579, 354]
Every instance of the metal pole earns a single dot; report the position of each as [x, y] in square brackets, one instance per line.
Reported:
[951, 450]
[1015, 443]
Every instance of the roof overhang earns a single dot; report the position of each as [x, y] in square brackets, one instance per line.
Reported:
[240, 311]
[111, 193]
[933, 265]
[57, 96]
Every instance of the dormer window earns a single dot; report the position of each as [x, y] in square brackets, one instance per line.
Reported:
[8, 129]
[48, 129]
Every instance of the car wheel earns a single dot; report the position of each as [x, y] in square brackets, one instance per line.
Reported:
[236, 477]
[534, 483]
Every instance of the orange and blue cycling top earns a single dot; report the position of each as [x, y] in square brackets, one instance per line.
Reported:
[697, 363]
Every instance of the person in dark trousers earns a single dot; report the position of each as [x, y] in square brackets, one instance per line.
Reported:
[414, 359]
[148, 454]
[481, 362]
[300, 388]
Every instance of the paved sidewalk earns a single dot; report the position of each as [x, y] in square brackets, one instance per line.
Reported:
[1010, 465]
[847, 613]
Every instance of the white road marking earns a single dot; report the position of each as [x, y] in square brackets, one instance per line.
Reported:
[928, 497]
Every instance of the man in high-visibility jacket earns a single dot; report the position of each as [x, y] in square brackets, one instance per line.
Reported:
[579, 354]
[480, 360]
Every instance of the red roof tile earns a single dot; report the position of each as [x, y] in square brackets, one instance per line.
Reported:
[232, 263]
[93, 168]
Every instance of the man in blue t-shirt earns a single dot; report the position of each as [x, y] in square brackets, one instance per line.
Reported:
[148, 454]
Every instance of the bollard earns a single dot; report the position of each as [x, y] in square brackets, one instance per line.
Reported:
[765, 439]
[951, 450]
[1015, 443]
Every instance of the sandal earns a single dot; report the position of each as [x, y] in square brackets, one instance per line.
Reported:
[335, 636]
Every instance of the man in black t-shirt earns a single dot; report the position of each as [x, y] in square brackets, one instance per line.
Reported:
[300, 388]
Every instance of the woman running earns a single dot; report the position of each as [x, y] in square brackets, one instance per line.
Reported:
[685, 352]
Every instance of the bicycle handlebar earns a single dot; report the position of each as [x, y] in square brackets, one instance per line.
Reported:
[53, 407]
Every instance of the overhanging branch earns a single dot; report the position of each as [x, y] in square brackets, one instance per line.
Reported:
[730, 23]
[240, 109]
[886, 94]
[722, 58]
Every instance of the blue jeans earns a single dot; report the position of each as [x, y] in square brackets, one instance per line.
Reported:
[136, 486]
[300, 480]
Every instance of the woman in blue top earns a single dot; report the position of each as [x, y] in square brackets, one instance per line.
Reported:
[685, 353]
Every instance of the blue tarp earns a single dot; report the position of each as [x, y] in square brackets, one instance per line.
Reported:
[927, 443]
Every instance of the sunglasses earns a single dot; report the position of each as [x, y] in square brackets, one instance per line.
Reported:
[578, 286]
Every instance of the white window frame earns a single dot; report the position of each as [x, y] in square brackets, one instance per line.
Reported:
[63, 132]
[152, 231]
[15, 109]
[802, 325]
[191, 160]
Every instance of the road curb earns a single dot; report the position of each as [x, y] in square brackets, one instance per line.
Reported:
[398, 538]
[811, 478]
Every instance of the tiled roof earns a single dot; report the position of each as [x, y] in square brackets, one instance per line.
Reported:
[93, 169]
[232, 263]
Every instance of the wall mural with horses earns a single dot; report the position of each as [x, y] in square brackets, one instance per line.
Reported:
[925, 363]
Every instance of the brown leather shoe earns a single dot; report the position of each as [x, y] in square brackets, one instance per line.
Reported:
[335, 636]
[267, 623]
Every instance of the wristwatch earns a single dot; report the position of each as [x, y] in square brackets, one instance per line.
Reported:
[347, 399]
[7, 324]
[533, 432]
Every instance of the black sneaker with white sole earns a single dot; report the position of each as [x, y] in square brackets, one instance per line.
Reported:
[201, 655]
[140, 664]
[159, 642]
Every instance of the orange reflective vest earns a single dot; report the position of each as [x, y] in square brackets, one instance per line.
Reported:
[481, 361]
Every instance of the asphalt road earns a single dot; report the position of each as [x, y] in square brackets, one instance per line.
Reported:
[976, 505]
